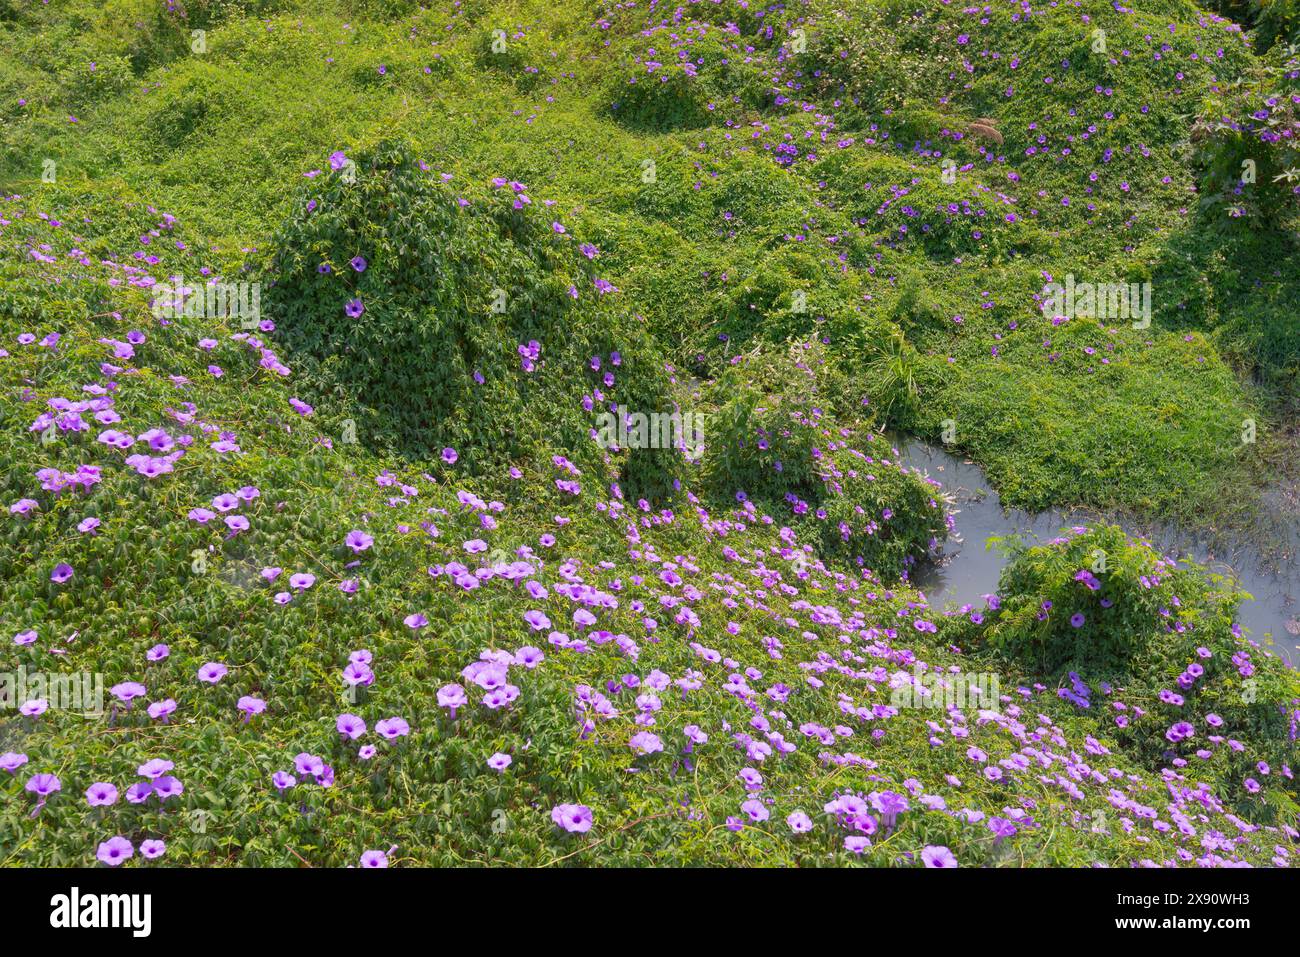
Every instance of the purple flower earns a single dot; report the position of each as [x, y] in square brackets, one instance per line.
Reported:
[644, 742]
[574, 818]
[167, 787]
[1077, 619]
[415, 621]
[358, 541]
[450, 455]
[212, 672]
[127, 691]
[154, 768]
[537, 620]
[350, 726]
[451, 697]
[139, 793]
[938, 856]
[101, 794]
[529, 657]
[162, 709]
[11, 762]
[114, 851]
[374, 859]
[392, 728]
[62, 572]
[251, 706]
[309, 764]
[43, 785]
[353, 308]
[499, 761]
[358, 263]
[152, 850]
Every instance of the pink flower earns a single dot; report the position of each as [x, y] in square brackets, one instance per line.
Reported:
[574, 818]
[938, 856]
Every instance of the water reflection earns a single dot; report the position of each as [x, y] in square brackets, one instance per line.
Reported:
[969, 569]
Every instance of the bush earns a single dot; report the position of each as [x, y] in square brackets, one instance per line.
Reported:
[1156, 656]
[1245, 144]
[680, 79]
[455, 286]
[1093, 602]
[776, 438]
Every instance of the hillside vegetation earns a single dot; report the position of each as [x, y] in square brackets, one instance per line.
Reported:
[364, 576]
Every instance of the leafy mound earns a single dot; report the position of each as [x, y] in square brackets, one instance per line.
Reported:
[678, 78]
[838, 215]
[1150, 645]
[422, 307]
[776, 439]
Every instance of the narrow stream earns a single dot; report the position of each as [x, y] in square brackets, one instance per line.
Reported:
[967, 569]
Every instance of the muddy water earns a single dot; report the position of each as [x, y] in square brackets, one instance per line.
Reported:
[968, 569]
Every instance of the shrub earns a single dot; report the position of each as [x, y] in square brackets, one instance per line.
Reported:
[776, 438]
[455, 286]
[1245, 139]
[679, 78]
[1089, 600]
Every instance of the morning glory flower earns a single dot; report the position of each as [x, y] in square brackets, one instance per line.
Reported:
[350, 726]
[11, 762]
[799, 822]
[212, 672]
[43, 785]
[101, 794]
[154, 768]
[162, 709]
[358, 541]
[645, 743]
[392, 728]
[452, 697]
[114, 851]
[574, 818]
[938, 856]
[308, 764]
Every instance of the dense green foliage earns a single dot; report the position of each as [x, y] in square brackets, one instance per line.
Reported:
[804, 222]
